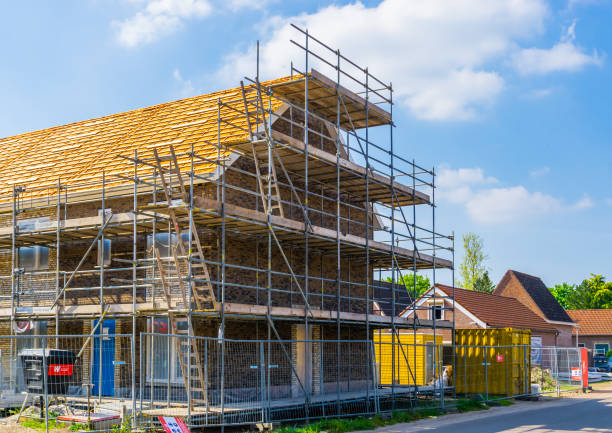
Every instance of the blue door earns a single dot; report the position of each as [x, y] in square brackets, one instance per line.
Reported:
[106, 375]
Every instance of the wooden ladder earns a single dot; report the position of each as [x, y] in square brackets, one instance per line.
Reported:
[270, 176]
[186, 348]
[202, 289]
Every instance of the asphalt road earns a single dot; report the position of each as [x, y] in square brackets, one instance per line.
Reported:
[592, 415]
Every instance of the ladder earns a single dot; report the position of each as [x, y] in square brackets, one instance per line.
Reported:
[201, 288]
[270, 169]
[186, 348]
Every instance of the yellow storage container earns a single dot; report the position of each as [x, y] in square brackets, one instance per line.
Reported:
[423, 356]
[495, 361]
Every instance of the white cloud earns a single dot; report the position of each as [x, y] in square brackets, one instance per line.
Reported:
[455, 185]
[543, 171]
[159, 18]
[584, 203]
[438, 53]
[486, 203]
[563, 56]
[186, 86]
[501, 205]
[451, 178]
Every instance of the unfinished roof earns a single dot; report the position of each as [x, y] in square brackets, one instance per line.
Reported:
[497, 311]
[354, 111]
[593, 322]
[79, 152]
[540, 294]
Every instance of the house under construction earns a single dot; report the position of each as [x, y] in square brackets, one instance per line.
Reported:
[226, 246]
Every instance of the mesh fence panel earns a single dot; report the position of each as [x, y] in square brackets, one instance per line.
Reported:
[212, 382]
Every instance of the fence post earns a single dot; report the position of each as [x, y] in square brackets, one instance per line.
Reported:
[465, 390]
[45, 377]
[555, 373]
[486, 365]
[262, 378]
[143, 380]
[527, 390]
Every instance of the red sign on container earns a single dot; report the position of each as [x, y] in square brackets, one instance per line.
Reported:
[500, 357]
[60, 369]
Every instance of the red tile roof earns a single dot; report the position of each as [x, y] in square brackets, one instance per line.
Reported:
[498, 311]
[592, 322]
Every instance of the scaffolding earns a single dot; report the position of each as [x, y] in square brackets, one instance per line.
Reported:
[284, 225]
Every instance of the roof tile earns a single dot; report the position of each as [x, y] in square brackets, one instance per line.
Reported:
[592, 322]
[497, 311]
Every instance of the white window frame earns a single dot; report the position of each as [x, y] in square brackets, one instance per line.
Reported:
[433, 308]
[596, 351]
[175, 378]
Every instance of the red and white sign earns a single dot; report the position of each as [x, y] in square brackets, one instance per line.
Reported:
[173, 425]
[576, 373]
[499, 357]
[60, 369]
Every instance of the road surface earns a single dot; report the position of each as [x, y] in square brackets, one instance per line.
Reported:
[592, 415]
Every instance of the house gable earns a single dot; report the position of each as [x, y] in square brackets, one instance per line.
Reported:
[533, 293]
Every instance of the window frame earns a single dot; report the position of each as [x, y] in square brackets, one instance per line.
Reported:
[434, 308]
[176, 375]
[601, 343]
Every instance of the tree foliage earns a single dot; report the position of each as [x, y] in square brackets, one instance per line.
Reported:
[472, 267]
[408, 280]
[593, 293]
[484, 283]
[562, 292]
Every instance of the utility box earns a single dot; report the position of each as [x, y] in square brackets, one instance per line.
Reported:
[418, 361]
[59, 365]
[494, 361]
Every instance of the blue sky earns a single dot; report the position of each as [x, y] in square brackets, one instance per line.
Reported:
[509, 100]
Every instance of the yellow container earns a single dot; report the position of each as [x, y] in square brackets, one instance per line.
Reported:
[495, 361]
[415, 361]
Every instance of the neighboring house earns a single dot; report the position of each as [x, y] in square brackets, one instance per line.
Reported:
[480, 310]
[533, 293]
[594, 329]
[383, 295]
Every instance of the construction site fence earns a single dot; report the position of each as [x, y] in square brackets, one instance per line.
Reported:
[245, 382]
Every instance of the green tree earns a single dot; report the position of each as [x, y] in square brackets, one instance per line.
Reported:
[408, 280]
[562, 293]
[484, 283]
[472, 267]
[593, 292]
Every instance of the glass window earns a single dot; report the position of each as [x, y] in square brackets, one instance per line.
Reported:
[107, 252]
[34, 258]
[601, 348]
[437, 312]
[162, 354]
[164, 242]
[32, 224]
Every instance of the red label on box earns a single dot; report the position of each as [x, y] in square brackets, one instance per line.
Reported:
[60, 369]
[500, 358]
